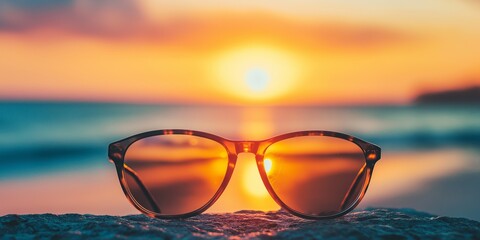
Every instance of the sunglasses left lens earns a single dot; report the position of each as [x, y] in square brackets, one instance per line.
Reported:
[174, 174]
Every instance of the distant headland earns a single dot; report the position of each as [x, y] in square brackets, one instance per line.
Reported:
[469, 95]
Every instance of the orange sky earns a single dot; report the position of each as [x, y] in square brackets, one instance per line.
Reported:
[318, 52]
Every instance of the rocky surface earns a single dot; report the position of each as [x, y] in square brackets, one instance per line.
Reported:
[367, 224]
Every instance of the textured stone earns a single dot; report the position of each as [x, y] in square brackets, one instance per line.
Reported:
[367, 224]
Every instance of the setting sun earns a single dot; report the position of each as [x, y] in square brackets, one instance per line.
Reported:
[257, 79]
[257, 72]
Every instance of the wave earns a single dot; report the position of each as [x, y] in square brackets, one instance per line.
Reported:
[428, 139]
[38, 159]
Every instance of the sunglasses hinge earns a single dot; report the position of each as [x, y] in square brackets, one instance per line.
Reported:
[115, 153]
[373, 154]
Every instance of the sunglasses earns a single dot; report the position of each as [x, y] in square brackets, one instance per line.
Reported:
[181, 173]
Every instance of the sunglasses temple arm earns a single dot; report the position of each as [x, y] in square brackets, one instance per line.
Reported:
[353, 186]
[143, 188]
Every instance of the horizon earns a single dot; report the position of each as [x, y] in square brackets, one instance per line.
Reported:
[412, 102]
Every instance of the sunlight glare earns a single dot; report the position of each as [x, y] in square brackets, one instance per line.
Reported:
[267, 164]
[257, 79]
[256, 72]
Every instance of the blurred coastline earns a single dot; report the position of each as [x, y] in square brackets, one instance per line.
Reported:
[55, 152]
[467, 96]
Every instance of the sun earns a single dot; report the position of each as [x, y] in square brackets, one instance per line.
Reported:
[257, 79]
[256, 72]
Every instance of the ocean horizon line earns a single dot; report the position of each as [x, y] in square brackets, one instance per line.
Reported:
[237, 105]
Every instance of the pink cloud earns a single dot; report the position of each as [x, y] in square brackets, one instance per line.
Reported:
[124, 19]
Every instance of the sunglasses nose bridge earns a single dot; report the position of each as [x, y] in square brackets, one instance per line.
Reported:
[246, 147]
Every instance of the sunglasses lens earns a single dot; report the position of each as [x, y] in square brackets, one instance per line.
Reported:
[174, 174]
[316, 175]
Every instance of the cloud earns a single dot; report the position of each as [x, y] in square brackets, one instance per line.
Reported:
[88, 17]
[126, 20]
[360, 36]
[35, 4]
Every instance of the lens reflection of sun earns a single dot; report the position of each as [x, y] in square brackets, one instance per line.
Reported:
[267, 164]
[256, 71]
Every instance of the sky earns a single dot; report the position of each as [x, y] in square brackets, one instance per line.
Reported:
[237, 52]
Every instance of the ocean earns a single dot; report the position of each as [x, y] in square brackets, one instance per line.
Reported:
[53, 155]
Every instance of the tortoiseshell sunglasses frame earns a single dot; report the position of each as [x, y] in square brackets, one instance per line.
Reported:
[117, 150]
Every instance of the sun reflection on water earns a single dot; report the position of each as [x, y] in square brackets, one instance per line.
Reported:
[252, 182]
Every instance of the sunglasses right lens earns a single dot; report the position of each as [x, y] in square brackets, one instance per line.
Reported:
[174, 174]
[316, 175]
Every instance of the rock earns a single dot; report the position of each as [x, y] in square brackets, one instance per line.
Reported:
[366, 224]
